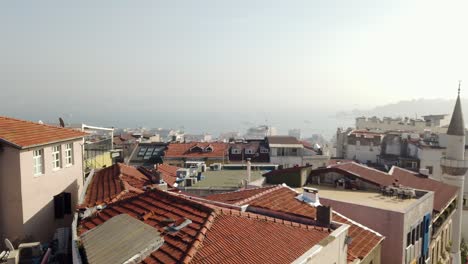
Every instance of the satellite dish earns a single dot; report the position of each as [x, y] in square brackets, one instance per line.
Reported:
[62, 124]
[8, 245]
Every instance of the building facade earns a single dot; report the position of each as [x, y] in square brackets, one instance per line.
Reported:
[41, 174]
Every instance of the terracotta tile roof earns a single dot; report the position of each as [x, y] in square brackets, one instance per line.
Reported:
[22, 134]
[167, 173]
[238, 197]
[283, 199]
[443, 193]
[113, 183]
[244, 238]
[215, 235]
[283, 140]
[180, 150]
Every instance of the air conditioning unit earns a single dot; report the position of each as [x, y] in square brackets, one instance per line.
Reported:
[183, 173]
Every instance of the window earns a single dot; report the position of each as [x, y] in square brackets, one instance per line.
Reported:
[236, 151]
[38, 161]
[56, 157]
[249, 151]
[414, 165]
[263, 150]
[68, 154]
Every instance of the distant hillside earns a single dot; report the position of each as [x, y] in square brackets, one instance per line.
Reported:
[409, 108]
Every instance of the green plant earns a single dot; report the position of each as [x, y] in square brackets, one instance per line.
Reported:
[464, 250]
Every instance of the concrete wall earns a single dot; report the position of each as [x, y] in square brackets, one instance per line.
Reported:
[11, 213]
[362, 153]
[316, 160]
[38, 191]
[388, 223]
[294, 179]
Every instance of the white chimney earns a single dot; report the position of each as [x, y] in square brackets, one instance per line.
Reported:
[249, 173]
[310, 195]
[424, 172]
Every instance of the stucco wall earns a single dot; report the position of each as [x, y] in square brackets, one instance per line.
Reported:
[10, 195]
[38, 191]
[362, 153]
[286, 161]
[387, 223]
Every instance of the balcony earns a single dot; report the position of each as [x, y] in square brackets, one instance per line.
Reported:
[454, 167]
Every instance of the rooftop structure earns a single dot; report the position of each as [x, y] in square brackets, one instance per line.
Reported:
[147, 154]
[195, 232]
[285, 200]
[361, 191]
[41, 170]
[25, 134]
[443, 193]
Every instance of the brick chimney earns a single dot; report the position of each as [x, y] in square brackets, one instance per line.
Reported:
[324, 215]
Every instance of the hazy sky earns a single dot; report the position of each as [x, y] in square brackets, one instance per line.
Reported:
[116, 59]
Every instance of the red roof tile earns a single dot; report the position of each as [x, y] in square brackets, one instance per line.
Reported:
[168, 173]
[283, 199]
[179, 150]
[215, 235]
[443, 193]
[283, 140]
[22, 134]
[114, 183]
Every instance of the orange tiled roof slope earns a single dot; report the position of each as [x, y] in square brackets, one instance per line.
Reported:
[283, 199]
[113, 183]
[443, 193]
[22, 133]
[179, 150]
[215, 235]
[168, 173]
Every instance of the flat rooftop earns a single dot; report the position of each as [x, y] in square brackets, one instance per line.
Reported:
[365, 198]
[227, 178]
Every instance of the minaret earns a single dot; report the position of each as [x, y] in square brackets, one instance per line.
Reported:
[454, 167]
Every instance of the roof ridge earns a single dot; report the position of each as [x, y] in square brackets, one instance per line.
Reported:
[200, 237]
[254, 216]
[36, 123]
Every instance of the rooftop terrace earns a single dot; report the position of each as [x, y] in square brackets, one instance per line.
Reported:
[365, 198]
[226, 178]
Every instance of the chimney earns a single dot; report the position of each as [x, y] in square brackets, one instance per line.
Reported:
[249, 168]
[324, 215]
[310, 195]
[156, 166]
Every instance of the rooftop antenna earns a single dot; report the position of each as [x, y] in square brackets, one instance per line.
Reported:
[459, 84]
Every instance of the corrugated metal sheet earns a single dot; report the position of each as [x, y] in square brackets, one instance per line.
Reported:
[120, 239]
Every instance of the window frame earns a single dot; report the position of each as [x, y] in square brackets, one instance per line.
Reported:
[40, 158]
[69, 150]
[56, 157]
